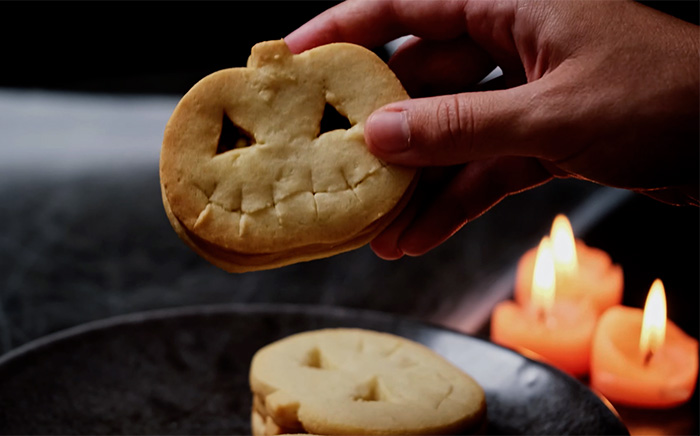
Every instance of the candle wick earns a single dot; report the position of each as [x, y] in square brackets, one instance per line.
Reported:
[647, 357]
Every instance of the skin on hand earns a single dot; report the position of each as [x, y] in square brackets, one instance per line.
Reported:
[606, 91]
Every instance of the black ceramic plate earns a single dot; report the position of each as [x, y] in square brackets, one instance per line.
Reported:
[185, 371]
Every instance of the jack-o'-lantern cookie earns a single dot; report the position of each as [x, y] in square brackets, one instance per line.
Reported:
[251, 176]
[360, 382]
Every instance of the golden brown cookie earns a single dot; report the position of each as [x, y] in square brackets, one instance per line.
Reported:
[250, 179]
[353, 381]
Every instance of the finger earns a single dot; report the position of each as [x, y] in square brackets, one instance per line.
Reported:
[432, 180]
[459, 128]
[375, 22]
[386, 244]
[477, 188]
[427, 67]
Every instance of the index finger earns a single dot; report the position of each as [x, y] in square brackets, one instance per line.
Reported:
[371, 23]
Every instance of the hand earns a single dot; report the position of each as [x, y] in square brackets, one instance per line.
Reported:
[606, 91]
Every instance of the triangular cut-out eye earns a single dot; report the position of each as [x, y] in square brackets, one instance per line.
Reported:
[333, 120]
[232, 137]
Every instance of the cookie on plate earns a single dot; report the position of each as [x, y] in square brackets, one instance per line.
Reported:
[361, 382]
[253, 178]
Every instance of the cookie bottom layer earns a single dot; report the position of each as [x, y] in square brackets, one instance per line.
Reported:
[237, 262]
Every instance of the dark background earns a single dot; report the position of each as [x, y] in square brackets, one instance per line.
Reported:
[153, 47]
[137, 47]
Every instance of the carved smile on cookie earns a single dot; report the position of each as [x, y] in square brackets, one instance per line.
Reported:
[271, 158]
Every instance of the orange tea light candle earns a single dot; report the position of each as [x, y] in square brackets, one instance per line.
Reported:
[582, 272]
[641, 359]
[556, 332]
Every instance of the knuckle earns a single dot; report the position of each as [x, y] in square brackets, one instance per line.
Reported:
[454, 121]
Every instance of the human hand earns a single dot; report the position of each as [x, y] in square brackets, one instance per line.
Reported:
[605, 91]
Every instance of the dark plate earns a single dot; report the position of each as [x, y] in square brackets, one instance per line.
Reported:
[185, 371]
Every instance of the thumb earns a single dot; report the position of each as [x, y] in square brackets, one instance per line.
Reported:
[455, 129]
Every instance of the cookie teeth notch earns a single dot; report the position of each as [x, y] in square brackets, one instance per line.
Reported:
[284, 410]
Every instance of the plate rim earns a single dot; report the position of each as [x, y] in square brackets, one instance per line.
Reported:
[214, 309]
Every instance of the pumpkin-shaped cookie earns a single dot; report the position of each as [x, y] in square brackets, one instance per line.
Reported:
[252, 180]
[360, 382]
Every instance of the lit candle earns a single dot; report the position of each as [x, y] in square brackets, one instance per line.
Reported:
[557, 332]
[639, 358]
[582, 272]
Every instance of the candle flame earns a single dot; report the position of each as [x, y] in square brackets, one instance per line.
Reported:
[543, 279]
[654, 320]
[564, 246]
